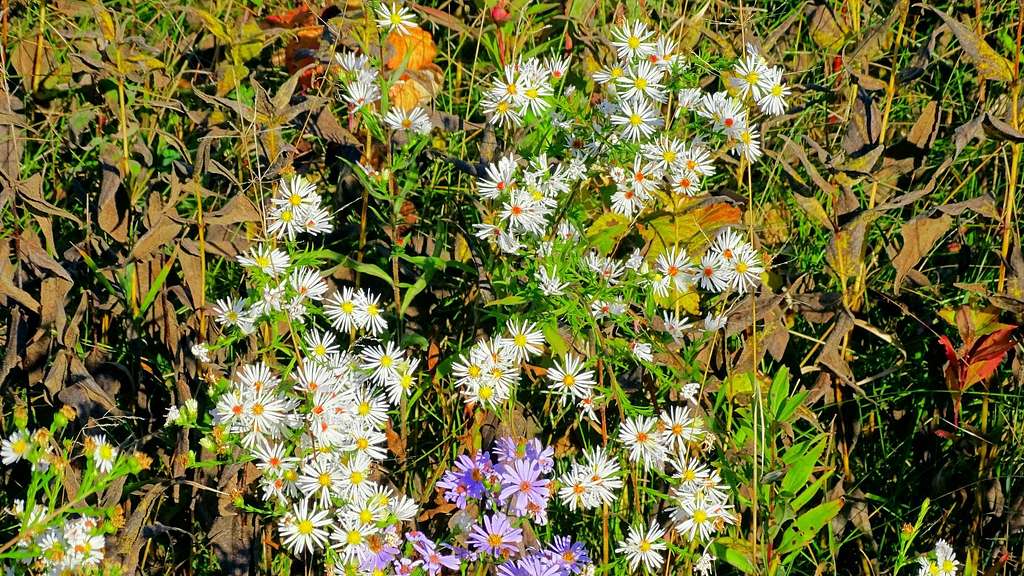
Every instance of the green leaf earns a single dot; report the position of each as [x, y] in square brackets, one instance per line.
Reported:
[506, 301]
[371, 269]
[157, 283]
[551, 334]
[778, 392]
[804, 497]
[735, 552]
[807, 526]
[800, 470]
[607, 230]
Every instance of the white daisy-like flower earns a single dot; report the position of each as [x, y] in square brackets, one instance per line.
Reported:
[296, 193]
[361, 93]
[270, 260]
[308, 283]
[711, 274]
[104, 454]
[15, 447]
[414, 120]
[773, 100]
[523, 340]
[550, 283]
[382, 361]
[302, 530]
[368, 314]
[637, 119]
[643, 547]
[632, 40]
[748, 144]
[639, 434]
[231, 313]
[569, 379]
[750, 75]
[340, 309]
[744, 270]
[395, 17]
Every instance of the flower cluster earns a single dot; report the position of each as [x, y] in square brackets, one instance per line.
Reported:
[314, 425]
[505, 489]
[363, 84]
[71, 547]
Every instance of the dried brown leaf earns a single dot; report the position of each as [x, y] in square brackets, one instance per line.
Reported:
[112, 206]
[990, 64]
[923, 133]
[919, 236]
[155, 238]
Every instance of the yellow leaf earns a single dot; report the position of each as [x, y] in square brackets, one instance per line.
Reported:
[990, 64]
[213, 24]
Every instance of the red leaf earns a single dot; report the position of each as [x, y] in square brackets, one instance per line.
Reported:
[985, 356]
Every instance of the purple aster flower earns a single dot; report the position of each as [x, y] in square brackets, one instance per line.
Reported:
[496, 536]
[378, 554]
[507, 449]
[543, 456]
[434, 562]
[572, 555]
[539, 565]
[456, 491]
[405, 566]
[522, 485]
[510, 568]
[415, 536]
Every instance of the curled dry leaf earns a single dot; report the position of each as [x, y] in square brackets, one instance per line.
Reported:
[919, 236]
[990, 64]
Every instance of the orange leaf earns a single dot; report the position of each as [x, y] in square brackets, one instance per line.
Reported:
[415, 50]
[985, 356]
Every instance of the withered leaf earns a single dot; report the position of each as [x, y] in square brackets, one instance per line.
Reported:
[825, 30]
[239, 208]
[31, 251]
[128, 542]
[990, 64]
[330, 128]
[7, 288]
[112, 206]
[919, 236]
[814, 210]
[923, 133]
[845, 251]
[160, 235]
[31, 192]
[983, 205]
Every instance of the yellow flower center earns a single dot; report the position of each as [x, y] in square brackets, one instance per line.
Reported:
[636, 120]
[305, 527]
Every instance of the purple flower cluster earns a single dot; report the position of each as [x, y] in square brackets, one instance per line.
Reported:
[516, 483]
[562, 557]
[507, 490]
